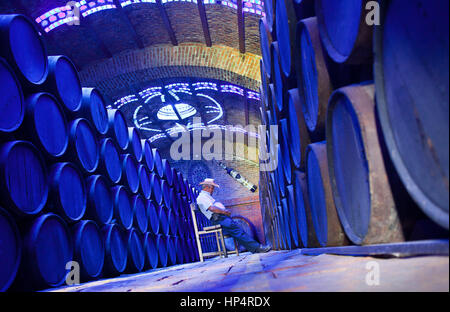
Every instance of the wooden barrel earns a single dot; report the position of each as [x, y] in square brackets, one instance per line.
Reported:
[67, 196]
[283, 240]
[117, 128]
[123, 209]
[172, 219]
[164, 226]
[180, 250]
[286, 22]
[130, 173]
[358, 177]
[161, 246]
[279, 172]
[83, 145]
[157, 194]
[23, 178]
[265, 38]
[89, 249]
[116, 248]
[22, 47]
[140, 212]
[326, 222]
[175, 181]
[100, 205]
[165, 190]
[153, 214]
[135, 143]
[292, 217]
[45, 124]
[286, 224]
[168, 174]
[285, 145]
[150, 251]
[313, 80]
[135, 251]
[158, 165]
[344, 31]
[280, 82]
[147, 155]
[48, 248]
[64, 83]
[12, 103]
[181, 182]
[109, 162]
[172, 251]
[93, 108]
[144, 182]
[411, 53]
[269, 9]
[10, 249]
[303, 211]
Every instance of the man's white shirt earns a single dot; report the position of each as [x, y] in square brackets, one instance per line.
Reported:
[204, 201]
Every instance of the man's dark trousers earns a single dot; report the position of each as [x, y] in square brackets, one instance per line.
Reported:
[231, 228]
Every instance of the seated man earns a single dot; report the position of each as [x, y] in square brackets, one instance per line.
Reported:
[221, 216]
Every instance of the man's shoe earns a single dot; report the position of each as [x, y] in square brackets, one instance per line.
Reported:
[264, 248]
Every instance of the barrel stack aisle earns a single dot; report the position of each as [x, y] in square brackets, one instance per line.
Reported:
[77, 184]
[355, 101]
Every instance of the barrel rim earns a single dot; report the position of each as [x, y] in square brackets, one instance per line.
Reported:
[72, 135]
[86, 107]
[91, 186]
[107, 232]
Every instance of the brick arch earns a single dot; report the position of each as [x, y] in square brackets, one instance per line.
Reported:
[117, 75]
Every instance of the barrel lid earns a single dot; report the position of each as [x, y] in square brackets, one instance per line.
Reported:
[122, 206]
[118, 125]
[116, 247]
[140, 212]
[150, 250]
[89, 247]
[85, 143]
[94, 104]
[111, 160]
[12, 106]
[161, 245]
[67, 82]
[130, 168]
[136, 143]
[144, 177]
[136, 250]
[158, 163]
[101, 204]
[10, 249]
[148, 154]
[153, 212]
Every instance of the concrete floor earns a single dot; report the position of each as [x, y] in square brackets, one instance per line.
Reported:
[288, 271]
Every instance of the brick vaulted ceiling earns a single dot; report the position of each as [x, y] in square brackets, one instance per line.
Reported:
[122, 48]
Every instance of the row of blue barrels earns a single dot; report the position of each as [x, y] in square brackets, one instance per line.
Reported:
[93, 167]
[368, 159]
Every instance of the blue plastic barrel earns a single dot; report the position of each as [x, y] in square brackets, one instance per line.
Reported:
[151, 253]
[23, 48]
[64, 83]
[171, 248]
[161, 246]
[116, 248]
[100, 206]
[144, 179]
[89, 249]
[93, 108]
[164, 225]
[130, 175]
[135, 250]
[140, 212]
[123, 209]
[67, 192]
[148, 154]
[10, 249]
[117, 128]
[135, 143]
[23, 178]
[158, 163]
[48, 249]
[12, 103]
[83, 145]
[109, 162]
[45, 124]
[155, 183]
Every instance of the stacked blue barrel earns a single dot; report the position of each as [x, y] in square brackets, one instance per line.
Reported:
[79, 189]
[358, 91]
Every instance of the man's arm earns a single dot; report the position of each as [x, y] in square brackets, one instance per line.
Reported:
[214, 209]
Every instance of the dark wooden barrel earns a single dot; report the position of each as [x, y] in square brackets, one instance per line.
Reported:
[326, 222]
[172, 219]
[269, 9]
[411, 79]
[12, 103]
[10, 249]
[148, 155]
[116, 248]
[64, 83]
[93, 108]
[286, 22]
[313, 80]
[279, 172]
[175, 182]
[135, 143]
[89, 249]
[165, 189]
[285, 145]
[286, 225]
[181, 182]
[158, 165]
[67, 192]
[283, 240]
[140, 212]
[83, 145]
[150, 251]
[168, 174]
[172, 251]
[164, 225]
[23, 178]
[135, 250]
[155, 183]
[361, 190]
[280, 82]
[293, 218]
[100, 205]
[265, 42]
[22, 47]
[130, 172]
[144, 182]
[344, 31]
[123, 209]
[153, 215]
[298, 132]
[161, 246]
[117, 128]
[180, 249]
[48, 247]
[45, 124]
[303, 210]
[109, 162]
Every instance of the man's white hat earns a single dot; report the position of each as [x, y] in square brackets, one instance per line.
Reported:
[209, 182]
